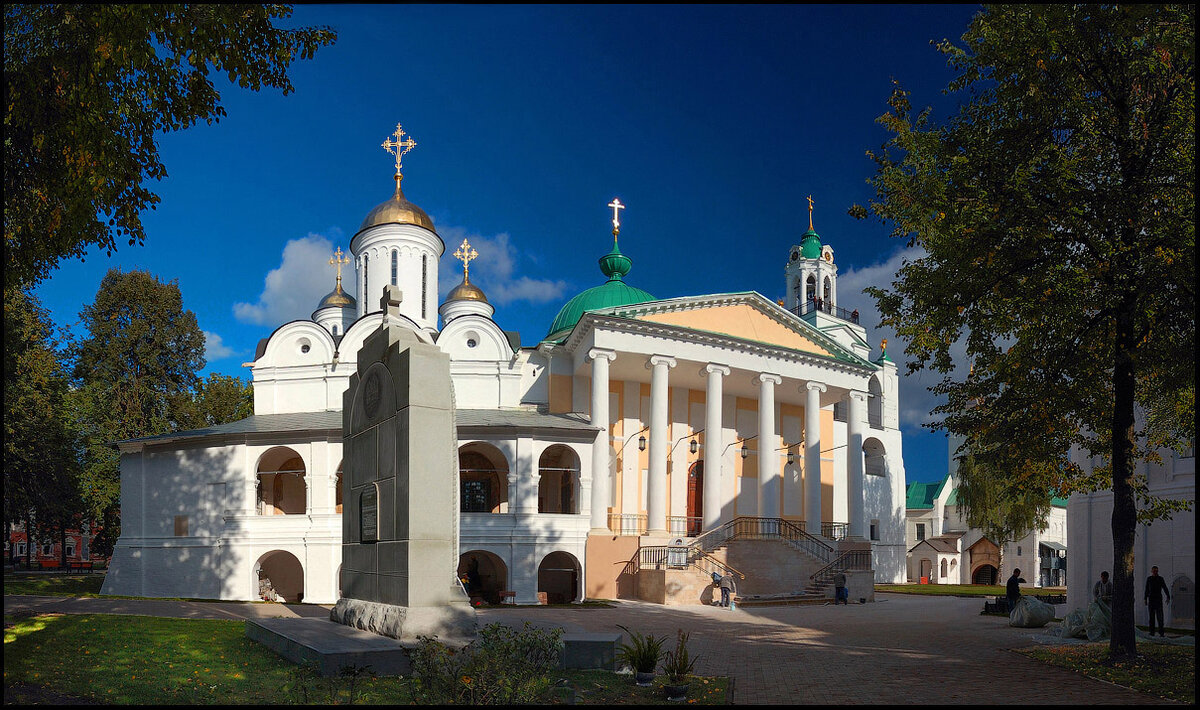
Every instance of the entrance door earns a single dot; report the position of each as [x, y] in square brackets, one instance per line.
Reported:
[695, 499]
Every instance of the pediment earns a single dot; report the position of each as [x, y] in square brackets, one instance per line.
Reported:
[747, 316]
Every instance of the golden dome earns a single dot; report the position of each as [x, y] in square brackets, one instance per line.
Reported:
[466, 291]
[337, 298]
[397, 210]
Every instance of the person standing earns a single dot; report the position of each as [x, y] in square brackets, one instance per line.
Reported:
[1102, 591]
[728, 588]
[1152, 598]
[840, 593]
[1013, 590]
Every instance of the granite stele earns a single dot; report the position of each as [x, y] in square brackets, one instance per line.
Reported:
[400, 520]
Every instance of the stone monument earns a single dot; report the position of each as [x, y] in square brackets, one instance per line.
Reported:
[400, 502]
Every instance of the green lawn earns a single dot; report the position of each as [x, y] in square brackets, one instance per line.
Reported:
[1159, 670]
[149, 660]
[54, 585]
[948, 590]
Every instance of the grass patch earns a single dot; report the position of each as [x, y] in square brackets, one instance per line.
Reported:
[1160, 670]
[945, 590]
[54, 585]
[148, 660]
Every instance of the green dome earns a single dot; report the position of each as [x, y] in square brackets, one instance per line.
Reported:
[614, 292]
[810, 246]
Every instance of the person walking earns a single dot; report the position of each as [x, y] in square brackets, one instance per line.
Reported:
[1155, 587]
[728, 588]
[1102, 591]
[840, 593]
[1013, 590]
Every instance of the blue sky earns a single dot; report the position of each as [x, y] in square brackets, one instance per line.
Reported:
[711, 123]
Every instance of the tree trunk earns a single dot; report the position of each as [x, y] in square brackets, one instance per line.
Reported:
[1123, 643]
[62, 545]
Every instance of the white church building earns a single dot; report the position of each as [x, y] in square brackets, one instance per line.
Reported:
[636, 426]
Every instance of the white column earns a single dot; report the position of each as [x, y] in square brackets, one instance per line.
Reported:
[712, 444]
[769, 498]
[656, 506]
[812, 457]
[854, 464]
[601, 471]
[526, 473]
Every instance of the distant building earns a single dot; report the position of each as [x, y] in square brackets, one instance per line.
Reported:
[47, 551]
[943, 549]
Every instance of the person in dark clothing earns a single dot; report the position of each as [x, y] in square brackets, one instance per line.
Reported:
[1013, 590]
[1152, 598]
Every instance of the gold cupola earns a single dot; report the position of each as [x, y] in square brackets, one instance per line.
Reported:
[398, 210]
[465, 298]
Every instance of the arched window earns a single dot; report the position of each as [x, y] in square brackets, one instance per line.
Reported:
[874, 404]
[828, 295]
[424, 285]
[281, 483]
[557, 484]
[395, 256]
[810, 288]
[944, 567]
[335, 329]
[366, 284]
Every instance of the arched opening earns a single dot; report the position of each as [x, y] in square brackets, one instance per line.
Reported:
[558, 578]
[827, 294]
[695, 499]
[279, 577]
[874, 458]
[874, 404]
[484, 575]
[810, 287]
[558, 470]
[945, 568]
[985, 574]
[281, 484]
[482, 479]
[338, 493]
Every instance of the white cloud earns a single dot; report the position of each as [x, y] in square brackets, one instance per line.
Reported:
[916, 401]
[293, 290]
[215, 348]
[494, 270]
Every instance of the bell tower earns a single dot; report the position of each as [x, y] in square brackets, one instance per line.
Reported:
[810, 274]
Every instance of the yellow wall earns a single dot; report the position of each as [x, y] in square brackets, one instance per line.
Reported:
[740, 321]
[560, 393]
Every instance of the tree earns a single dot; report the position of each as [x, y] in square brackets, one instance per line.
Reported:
[1054, 220]
[40, 454]
[86, 89]
[215, 400]
[138, 360]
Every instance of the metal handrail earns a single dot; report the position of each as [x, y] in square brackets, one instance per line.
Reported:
[835, 531]
[750, 528]
[825, 307]
[847, 561]
[661, 557]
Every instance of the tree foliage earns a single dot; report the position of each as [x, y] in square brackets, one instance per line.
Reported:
[215, 400]
[86, 89]
[137, 362]
[40, 445]
[1054, 216]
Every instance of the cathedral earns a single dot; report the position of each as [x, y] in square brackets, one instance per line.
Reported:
[635, 448]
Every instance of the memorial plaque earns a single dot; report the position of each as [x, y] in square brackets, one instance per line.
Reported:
[368, 515]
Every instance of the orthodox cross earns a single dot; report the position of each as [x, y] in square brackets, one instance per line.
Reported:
[616, 205]
[398, 147]
[465, 253]
[810, 206]
[337, 261]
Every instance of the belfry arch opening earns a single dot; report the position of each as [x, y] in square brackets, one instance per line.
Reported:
[281, 483]
[482, 479]
[558, 481]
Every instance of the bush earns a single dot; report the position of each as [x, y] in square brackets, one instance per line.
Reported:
[642, 654]
[503, 666]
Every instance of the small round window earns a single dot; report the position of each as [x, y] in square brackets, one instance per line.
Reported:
[471, 342]
[305, 346]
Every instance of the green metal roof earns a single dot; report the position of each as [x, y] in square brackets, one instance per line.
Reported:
[613, 293]
[922, 495]
[810, 246]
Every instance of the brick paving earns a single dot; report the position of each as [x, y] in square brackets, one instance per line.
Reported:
[900, 649]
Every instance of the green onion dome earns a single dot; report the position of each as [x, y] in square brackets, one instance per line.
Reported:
[810, 246]
[614, 292]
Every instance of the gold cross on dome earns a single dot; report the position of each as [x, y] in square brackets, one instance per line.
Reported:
[466, 253]
[395, 146]
[616, 205]
[810, 206]
[337, 261]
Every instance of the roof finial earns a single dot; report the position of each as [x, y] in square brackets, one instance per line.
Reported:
[466, 253]
[616, 206]
[337, 261]
[398, 148]
[810, 206]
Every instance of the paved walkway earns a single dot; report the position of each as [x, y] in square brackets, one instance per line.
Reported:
[901, 649]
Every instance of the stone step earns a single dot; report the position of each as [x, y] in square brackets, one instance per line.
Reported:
[780, 600]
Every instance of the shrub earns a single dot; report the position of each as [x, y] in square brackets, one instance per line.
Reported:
[642, 654]
[503, 666]
[678, 663]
